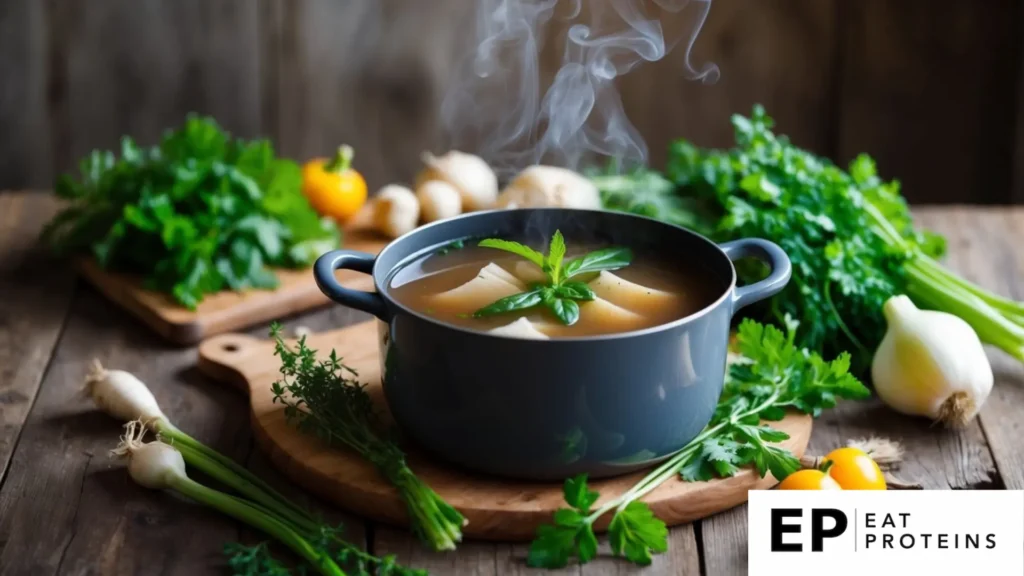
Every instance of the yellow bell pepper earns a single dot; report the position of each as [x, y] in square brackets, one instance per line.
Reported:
[333, 187]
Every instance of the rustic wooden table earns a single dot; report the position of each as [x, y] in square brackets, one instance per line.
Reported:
[66, 508]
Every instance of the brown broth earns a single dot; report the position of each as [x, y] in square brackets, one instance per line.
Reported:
[668, 292]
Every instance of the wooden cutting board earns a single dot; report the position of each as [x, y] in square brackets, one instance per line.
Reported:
[227, 310]
[497, 509]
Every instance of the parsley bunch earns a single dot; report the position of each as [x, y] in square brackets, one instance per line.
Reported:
[199, 213]
[849, 235]
[322, 398]
[560, 293]
[774, 376]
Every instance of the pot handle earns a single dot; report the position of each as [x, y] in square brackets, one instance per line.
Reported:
[770, 254]
[323, 272]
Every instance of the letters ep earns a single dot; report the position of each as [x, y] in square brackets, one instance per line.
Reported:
[819, 533]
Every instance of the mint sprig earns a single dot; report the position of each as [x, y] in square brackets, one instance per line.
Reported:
[560, 294]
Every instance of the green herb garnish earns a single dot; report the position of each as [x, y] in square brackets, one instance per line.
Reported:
[322, 397]
[199, 213]
[559, 293]
[779, 377]
[456, 245]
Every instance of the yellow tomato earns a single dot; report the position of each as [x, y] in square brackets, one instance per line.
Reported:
[853, 469]
[333, 188]
[809, 480]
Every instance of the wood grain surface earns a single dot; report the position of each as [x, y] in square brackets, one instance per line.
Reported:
[66, 508]
[914, 85]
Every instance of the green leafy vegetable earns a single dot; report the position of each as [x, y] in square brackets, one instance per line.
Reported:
[777, 377]
[553, 263]
[322, 397]
[520, 301]
[575, 291]
[564, 308]
[849, 234]
[199, 213]
[515, 248]
[606, 259]
[560, 294]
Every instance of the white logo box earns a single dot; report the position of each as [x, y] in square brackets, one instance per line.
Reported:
[905, 533]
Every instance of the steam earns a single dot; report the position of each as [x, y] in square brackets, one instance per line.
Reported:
[494, 105]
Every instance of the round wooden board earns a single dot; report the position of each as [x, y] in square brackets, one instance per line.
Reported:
[496, 508]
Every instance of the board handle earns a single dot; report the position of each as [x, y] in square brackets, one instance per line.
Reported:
[221, 358]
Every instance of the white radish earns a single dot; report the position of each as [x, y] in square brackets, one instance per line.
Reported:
[470, 175]
[550, 186]
[122, 395]
[438, 200]
[396, 210]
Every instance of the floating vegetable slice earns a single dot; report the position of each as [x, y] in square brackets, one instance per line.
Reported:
[492, 283]
[604, 312]
[629, 295]
[521, 328]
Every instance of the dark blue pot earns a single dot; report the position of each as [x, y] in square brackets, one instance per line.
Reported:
[548, 409]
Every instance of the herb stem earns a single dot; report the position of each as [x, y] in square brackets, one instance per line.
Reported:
[998, 321]
[320, 399]
[674, 463]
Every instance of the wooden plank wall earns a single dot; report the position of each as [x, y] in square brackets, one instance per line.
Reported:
[930, 88]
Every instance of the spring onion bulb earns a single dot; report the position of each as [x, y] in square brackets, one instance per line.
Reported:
[930, 363]
[123, 396]
[159, 466]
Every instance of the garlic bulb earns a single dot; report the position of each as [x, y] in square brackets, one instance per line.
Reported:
[470, 175]
[930, 364]
[550, 186]
[396, 210]
[438, 200]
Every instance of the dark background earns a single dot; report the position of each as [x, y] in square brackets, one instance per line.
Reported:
[932, 89]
